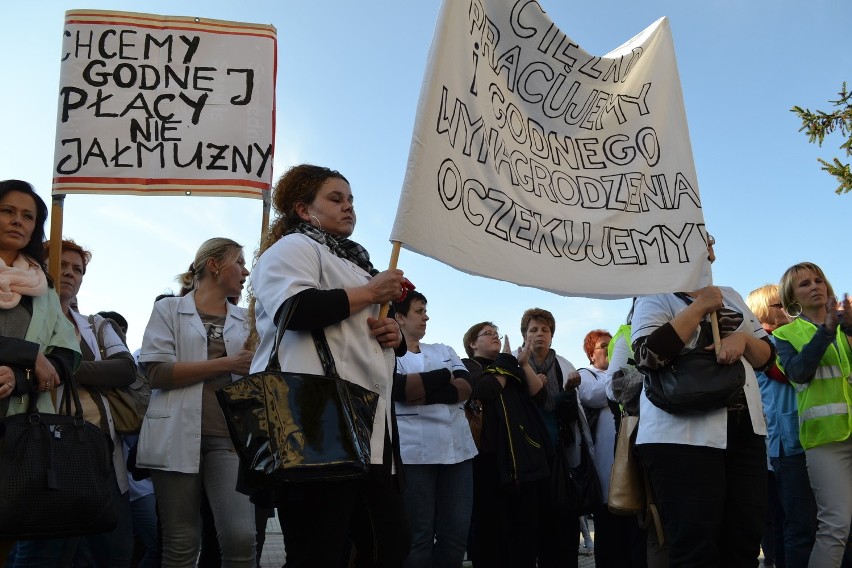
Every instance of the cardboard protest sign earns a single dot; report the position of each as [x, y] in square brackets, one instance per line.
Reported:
[535, 162]
[162, 105]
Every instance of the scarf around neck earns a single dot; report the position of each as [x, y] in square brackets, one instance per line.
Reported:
[23, 278]
[340, 246]
[548, 369]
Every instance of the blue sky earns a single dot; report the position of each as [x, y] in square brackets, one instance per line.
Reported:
[349, 75]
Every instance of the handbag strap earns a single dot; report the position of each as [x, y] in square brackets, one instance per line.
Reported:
[65, 401]
[69, 394]
[320, 341]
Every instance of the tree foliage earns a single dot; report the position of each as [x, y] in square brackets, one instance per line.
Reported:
[817, 125]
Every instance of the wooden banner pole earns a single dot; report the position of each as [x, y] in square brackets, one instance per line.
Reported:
[55, 254]
[394, 259]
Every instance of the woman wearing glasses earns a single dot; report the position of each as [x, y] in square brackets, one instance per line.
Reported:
[510, 472]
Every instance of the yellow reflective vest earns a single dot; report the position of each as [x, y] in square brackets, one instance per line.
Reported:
[824, 402]
[624, 331]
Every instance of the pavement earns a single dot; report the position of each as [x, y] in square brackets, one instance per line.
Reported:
[273, 549]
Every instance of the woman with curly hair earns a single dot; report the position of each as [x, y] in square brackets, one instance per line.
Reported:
[307, 254]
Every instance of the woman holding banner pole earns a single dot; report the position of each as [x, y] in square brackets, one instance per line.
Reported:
[307, 254]
[707, 469]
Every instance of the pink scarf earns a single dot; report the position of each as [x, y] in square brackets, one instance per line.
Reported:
[22, 278]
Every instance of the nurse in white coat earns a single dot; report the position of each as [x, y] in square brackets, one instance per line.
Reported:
[307, 253]
[436, 444]
[193, 345]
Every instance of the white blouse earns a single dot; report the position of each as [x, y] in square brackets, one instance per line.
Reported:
[296, 263]
[709, 429]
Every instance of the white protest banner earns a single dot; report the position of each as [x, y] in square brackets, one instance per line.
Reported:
[534, 162]
[164, 105]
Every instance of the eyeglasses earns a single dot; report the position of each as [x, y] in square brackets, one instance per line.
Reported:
[490, 333]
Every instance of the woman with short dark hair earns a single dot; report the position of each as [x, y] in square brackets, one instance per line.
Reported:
[510, 473]
[562, 413]
[436, 445]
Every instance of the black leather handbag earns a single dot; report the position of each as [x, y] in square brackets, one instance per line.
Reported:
[575, 489]
[290, 427]
[56, 473]
[694, 382]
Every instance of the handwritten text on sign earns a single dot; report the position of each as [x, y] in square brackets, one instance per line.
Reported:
[552, 159]
[174, 104]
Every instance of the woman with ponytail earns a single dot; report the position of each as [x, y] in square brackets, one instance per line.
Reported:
[194, 344]
[307, 254]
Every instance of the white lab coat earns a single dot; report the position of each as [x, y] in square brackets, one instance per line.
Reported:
[170, 439]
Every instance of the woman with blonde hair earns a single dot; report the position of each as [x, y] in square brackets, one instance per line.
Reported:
[786, 455]
[814, 353]
[307, 254]
[193, 344]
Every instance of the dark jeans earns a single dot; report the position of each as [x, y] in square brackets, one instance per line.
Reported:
[800, 513]
[113, 549]
[107, 550]
[146, 527]
[619, 542]
[438, 501]
[516, 525]
[773, 531]
[712, 501]
[559, 531]
[319, 518]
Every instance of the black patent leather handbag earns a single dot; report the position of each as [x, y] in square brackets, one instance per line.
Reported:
[290, 427]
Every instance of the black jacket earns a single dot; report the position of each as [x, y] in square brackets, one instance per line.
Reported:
[511, 424]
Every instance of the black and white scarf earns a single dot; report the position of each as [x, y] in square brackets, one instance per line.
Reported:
[340, 246]
[548, 369]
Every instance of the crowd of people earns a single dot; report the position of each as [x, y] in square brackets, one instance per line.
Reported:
[496, 457]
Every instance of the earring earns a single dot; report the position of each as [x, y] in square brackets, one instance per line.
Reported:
[318, 221]
[216, 273]
[794, 310]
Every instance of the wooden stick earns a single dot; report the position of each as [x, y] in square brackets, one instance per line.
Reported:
[264, 220]
[394, 259]
[714, 325]
[54, 260]
[714, 320]
[55, 253]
